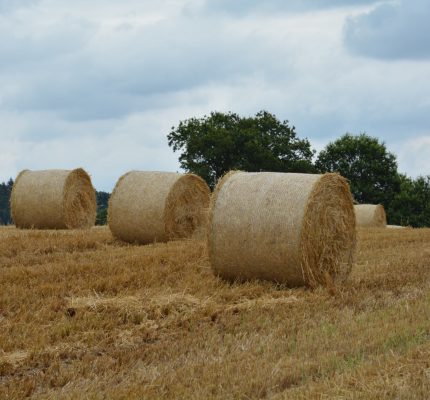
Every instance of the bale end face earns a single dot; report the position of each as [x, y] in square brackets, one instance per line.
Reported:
[16, 209]
[186, 210]
[328, 238]
[80, 204]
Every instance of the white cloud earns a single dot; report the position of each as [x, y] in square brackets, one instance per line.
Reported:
[93, 70]
[241, 7]
[7, 6]
[413, 155]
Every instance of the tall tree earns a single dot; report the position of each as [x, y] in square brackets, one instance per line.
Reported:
[366, 163]
[215, 144]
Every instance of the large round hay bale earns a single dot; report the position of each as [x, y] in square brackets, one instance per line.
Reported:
[297, 229]
[370, 216]
[53, 199]
[158, 206]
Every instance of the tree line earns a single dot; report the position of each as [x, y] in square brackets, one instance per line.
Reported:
[5, 191]
[220, 142]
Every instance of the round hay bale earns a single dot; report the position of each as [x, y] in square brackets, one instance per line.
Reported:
[158, 206]
[53, 199]
[370, 216]
[297, 229]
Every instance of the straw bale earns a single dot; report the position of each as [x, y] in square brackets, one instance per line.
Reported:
[53, 199]
[395, 227]
[297, 229]
[370, 215]
[158, 206]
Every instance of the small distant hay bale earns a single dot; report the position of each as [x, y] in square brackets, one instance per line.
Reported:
[395, 227]
[370, 216]
[53, 199]
[158, 206]
[297, 229]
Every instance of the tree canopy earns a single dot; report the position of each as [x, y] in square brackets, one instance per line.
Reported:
[411, 206]
[366, 163]
[215, 144]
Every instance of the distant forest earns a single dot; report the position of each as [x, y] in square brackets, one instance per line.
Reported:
[102, 206]
[6, 189]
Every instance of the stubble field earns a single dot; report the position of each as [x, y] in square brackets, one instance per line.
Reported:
[85, 316]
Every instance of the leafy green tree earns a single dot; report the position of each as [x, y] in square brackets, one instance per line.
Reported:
[102, 206]
[102, 199]
[366, 163]
[411, 206]
[101, 216]
[218, 143]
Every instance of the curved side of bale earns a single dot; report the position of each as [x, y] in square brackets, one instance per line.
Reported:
[370, 215]
[53, 199]
[210, 234]
[157, 206]
[297, 229]
[18, 216]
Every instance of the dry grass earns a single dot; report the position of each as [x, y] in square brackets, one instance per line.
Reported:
[85, 316]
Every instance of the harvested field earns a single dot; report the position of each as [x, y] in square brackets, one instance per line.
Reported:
[85, 316]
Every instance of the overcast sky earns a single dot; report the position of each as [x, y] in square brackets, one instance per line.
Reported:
[99, 84]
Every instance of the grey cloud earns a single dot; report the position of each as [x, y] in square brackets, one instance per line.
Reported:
[24, 48]
[9, 5]
[95, 75]
[240, 7]
[391, 31]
